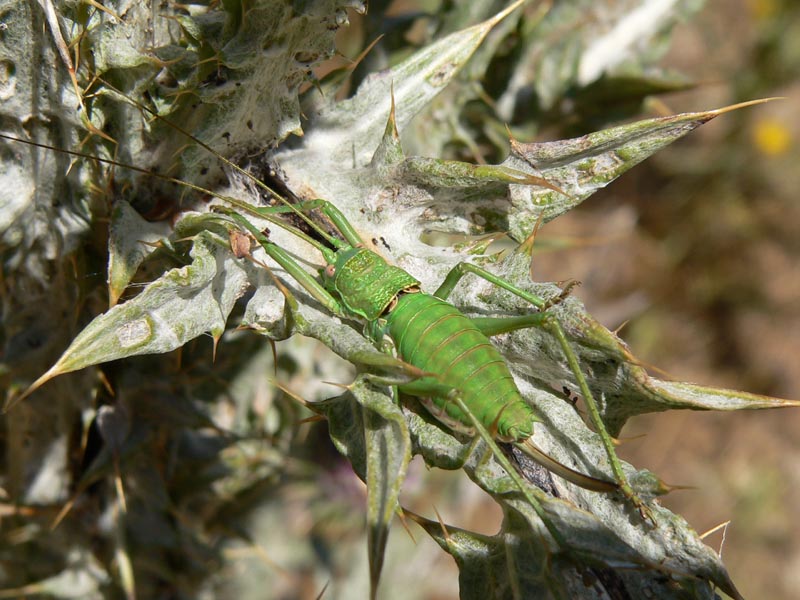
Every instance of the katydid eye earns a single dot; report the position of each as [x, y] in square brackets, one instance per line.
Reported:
[330, 271]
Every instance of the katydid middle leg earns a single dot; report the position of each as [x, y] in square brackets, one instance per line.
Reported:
[549, 323]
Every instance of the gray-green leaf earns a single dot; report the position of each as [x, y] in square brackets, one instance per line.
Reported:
[179, 306]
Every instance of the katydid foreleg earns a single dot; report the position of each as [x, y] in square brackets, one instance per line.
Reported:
[280, 256]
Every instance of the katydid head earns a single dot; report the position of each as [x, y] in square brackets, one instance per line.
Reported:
[336, 266]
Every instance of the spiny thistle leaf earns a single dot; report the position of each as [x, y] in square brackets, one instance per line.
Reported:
[388, 452]
[179, 306]
[229, 59]
[547, 546]
[449, 174]
[598, 531]
[583, 165]
[346, 132]
[508, 565]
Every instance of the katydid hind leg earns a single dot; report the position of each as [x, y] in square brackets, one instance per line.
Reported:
[548, 322]
[426, 389]
[552, 325]
[420, 388]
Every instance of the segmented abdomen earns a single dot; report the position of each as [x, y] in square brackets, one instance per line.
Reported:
[433, 335]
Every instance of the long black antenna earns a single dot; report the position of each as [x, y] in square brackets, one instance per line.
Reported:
[230, 200]
[227, 162]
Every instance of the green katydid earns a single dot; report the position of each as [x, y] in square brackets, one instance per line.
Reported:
[466, 377]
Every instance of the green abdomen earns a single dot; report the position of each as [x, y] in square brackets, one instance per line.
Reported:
[433, 335]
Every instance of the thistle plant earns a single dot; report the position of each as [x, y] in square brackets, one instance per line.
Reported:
[144, 456]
